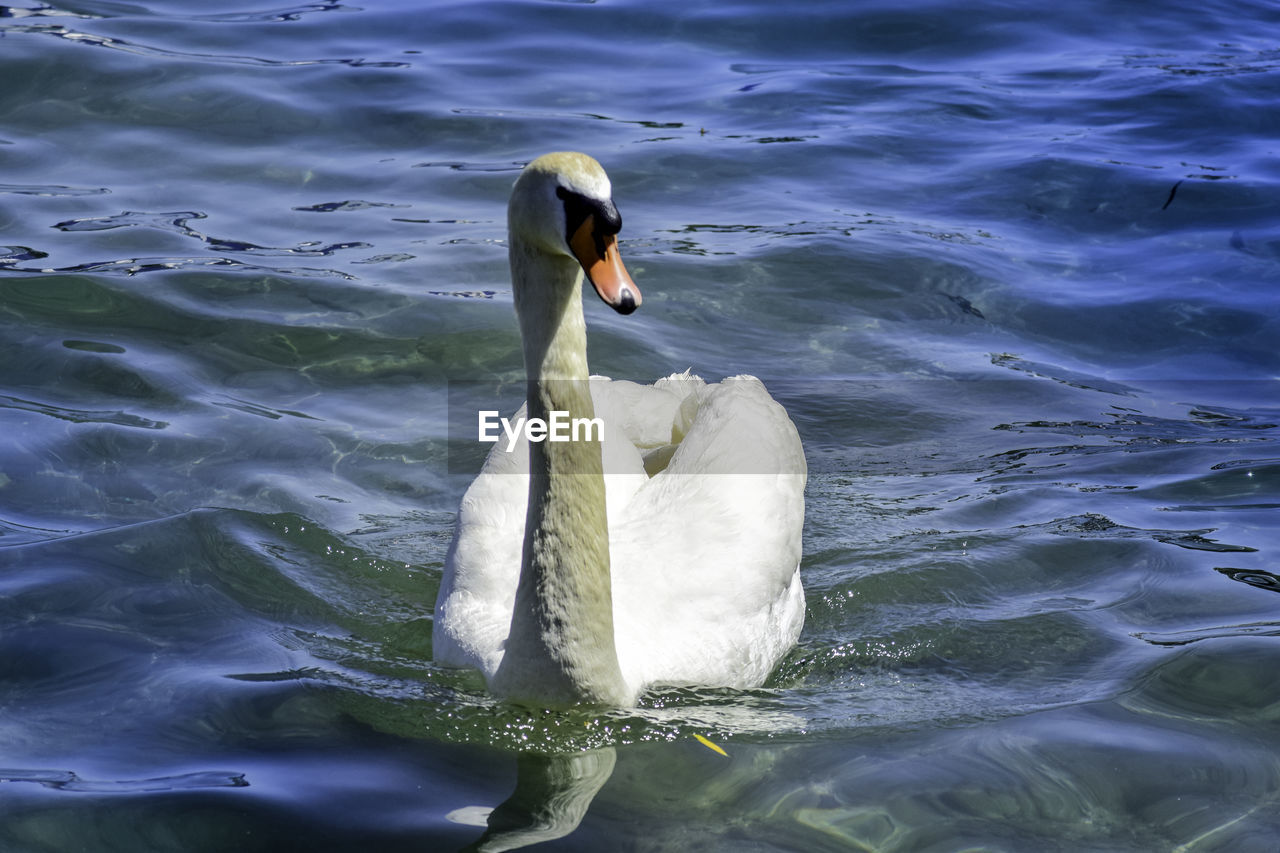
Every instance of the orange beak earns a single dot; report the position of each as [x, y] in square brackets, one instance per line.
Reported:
[603, 265]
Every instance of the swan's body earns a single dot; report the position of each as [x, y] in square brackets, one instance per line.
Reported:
[576, 577]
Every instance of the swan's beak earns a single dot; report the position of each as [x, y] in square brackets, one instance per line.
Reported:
[599, 257]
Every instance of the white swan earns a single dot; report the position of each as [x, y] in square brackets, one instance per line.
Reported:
[563, 591]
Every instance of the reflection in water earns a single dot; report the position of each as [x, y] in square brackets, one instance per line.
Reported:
[551, 797]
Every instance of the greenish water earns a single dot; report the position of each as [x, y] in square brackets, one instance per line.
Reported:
[1013, 270]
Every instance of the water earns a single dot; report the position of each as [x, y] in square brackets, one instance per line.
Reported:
[1012, 268]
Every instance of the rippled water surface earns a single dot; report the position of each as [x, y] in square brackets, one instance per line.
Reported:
[1014, 270]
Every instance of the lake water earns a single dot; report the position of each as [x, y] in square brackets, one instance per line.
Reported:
[1013, 268]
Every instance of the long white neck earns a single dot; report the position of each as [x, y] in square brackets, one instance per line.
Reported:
[561, 648]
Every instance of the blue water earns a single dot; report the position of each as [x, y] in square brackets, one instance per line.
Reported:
[1013, 268]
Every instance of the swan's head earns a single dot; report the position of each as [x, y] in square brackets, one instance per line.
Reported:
[562, 204]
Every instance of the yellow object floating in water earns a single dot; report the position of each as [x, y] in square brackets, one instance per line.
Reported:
[711, 746]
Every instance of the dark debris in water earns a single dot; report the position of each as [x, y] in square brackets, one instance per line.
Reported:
[1129, 428]
[1222, 416]
[1062, 375]
[1245, 463]
[1216, 632]
[965, 305]
[94, 346]
[1094, 526]
[66, 780]
[466, 166]
[345, 206]
[1134, 427]
[81, 416]
[465, 294]
[1253, 577]
[10, 255]
[52, 190]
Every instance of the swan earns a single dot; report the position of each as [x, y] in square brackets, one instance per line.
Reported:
[664, 551]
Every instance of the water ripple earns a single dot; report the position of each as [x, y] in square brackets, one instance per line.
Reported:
[13, 258]
[74, 36]
[137, 266]
[291, 13]
[176, 222]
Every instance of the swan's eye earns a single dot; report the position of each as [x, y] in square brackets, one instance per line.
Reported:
[577, 207]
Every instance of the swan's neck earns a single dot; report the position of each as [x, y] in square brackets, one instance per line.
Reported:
[561, 648]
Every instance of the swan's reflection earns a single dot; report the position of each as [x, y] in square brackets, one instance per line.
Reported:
[551, 797]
